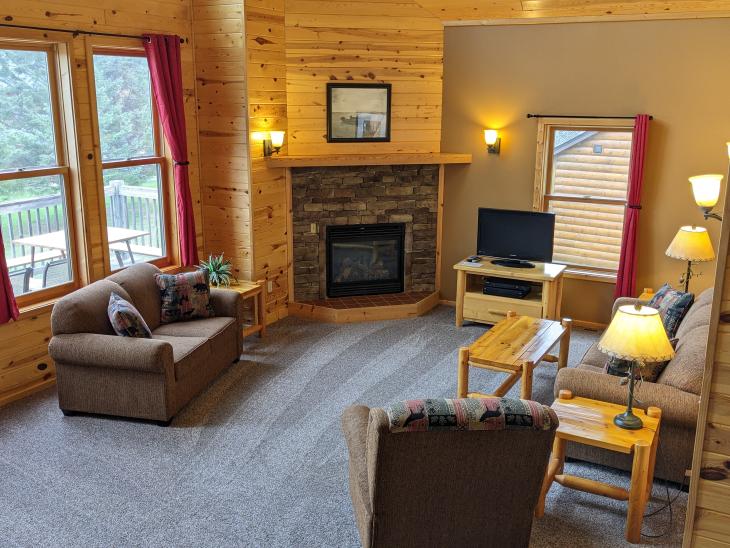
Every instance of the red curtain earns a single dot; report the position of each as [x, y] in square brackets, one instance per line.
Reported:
[163, 57]
[8, 306]
[626, 279]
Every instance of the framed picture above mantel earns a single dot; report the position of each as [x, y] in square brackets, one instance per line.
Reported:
[358, 113]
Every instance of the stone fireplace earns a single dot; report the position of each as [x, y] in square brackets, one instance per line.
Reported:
[379, 197]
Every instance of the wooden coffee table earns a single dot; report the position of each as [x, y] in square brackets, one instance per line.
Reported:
[590, 422]
[514, 346]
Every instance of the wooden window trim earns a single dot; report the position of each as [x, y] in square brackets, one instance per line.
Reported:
[64, 129]
[543, 167]
[162, 157]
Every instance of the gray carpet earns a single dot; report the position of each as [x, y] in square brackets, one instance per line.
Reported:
[258, 460]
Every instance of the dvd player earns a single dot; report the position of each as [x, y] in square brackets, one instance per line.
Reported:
[504, 287]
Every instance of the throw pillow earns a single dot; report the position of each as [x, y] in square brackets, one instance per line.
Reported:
[126, 319]
[184, 296]
[672, 306]
[650, 372]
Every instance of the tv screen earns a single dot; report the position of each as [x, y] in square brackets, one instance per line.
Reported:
[524, 235]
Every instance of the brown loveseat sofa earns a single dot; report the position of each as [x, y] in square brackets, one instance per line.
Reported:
[676, 392]
[100, 372]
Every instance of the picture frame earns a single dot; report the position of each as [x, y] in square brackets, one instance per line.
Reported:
[358, 112]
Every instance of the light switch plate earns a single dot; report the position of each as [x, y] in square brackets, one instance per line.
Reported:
[270, 286]
[313, 228]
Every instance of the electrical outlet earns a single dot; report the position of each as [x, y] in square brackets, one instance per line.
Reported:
[270, 286]
[313, 228]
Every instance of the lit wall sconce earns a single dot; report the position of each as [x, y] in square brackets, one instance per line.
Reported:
[493, 140]
[706, 191]
[271, 140]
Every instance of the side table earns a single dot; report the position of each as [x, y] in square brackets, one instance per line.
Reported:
[255, 291]
[590, 422]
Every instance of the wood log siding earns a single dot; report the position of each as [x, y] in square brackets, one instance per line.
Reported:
[588, 233]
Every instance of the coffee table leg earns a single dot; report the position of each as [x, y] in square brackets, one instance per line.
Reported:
[637, 495]
[565, 343]
[463, 374]
[555, 466]
[526, 388]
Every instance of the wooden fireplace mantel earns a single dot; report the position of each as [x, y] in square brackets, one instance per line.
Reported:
[425, 158]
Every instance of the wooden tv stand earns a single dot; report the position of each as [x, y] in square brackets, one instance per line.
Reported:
[472, 304]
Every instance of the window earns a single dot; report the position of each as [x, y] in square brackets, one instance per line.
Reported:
[131, 157]
[583, 178]
[34, 173]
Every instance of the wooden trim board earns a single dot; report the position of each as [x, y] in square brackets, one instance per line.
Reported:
[364, 314]
[368, 159]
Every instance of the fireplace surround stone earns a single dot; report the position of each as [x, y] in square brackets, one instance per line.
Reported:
[322, 196]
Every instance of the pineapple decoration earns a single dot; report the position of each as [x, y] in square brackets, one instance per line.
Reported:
[220, 271]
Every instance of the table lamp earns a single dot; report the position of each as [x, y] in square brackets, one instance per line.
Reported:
[691, 244]
[636, 334]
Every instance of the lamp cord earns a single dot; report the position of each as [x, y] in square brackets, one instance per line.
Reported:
[668, 505]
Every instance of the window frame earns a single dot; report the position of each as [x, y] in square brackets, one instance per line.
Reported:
[161, 157]
[543, 169]
[59, 85]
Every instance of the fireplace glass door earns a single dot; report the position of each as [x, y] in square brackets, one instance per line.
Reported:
[365, 259]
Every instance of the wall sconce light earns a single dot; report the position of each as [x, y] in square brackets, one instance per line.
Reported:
[706, 191]
[272, 141]
[493, 140]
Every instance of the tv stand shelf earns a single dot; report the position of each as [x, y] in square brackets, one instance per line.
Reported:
[544, 301]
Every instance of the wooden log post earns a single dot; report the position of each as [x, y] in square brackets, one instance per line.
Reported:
[463, 373]
[567, 323]
[637, 494]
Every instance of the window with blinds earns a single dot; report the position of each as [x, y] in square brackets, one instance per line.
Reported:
[585, 183]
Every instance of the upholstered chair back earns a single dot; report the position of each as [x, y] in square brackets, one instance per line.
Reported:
[448, 472]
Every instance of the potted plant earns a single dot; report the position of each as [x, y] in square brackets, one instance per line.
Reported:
[220, 271]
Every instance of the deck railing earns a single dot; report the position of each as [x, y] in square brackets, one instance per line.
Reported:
[132, 207]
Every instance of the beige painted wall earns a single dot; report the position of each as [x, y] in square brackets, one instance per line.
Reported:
[674, 70]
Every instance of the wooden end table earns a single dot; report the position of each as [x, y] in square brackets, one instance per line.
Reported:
[515, 346]
[590, 422]
[255, 291]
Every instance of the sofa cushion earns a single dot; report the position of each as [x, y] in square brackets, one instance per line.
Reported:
[469, 414]
[126, 319]
[697, 316]
[595, 357]
[705, 297]
[205, 327]
[685, 370]
[188, 353]
[672, 306]
[589, 367]
[138, 280]
[184, 296]
[85, 310]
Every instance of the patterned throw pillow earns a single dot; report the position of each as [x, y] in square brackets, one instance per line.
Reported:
[672, 306]
[184, 296]
[126, 319]
[650, 372]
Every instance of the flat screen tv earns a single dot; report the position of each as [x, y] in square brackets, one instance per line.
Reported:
[516, 235]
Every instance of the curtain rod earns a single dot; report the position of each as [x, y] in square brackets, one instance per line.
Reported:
[583, 117]
[77, 32]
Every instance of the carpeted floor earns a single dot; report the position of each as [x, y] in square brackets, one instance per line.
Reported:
[258, 459]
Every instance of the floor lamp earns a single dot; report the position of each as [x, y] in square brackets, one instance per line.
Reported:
[691, 244]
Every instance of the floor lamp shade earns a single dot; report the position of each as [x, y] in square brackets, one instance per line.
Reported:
[692, 243]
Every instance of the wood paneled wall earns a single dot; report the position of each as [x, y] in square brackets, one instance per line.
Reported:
[220, 61]
[267, 103]
[708, 513]
[24, 362]
[364, 41]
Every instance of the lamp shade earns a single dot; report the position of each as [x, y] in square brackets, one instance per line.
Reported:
[491, 136]
[277, 138]
[637, 333]
[692, 243]
[706, 189]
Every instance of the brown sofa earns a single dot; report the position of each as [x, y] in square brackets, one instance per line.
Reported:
[100, 372]
[676, 392]
[443, 488]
